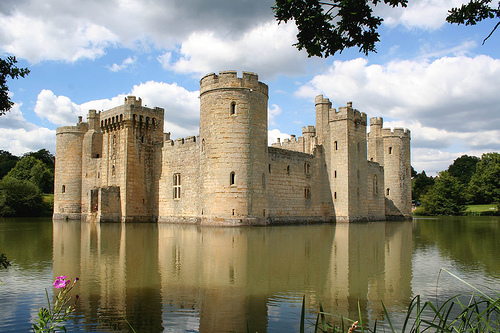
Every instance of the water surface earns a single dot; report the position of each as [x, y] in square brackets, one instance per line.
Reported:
[184, 278]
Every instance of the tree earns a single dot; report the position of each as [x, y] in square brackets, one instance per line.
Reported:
[484, 185]
[7, 162]
[19, 198]
[421, 184]
[8, 68]
[45, 156]
[445, 197]
[463, 168]
[35, 171]
[330, 26]
[473, 12]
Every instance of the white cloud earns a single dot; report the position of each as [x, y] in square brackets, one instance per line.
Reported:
[38, 38]
[272, 113]
[19, 136]
[125, 63]
[422, 14]
[66, 30]
[450, 93]
[266, 49]
[273, 135]
[59, 110]
[181, 106]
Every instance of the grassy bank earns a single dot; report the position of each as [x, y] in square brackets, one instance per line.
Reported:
[474, 210]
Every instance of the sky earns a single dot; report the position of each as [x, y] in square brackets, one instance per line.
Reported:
[436, 79]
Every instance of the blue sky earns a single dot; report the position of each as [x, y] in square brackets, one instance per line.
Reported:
[429, 76]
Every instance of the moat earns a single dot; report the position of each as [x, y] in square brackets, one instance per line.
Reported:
[187, 278]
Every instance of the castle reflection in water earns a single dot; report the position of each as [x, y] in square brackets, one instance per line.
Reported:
[184, 277]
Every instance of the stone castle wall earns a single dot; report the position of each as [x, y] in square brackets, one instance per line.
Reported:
[119, 166]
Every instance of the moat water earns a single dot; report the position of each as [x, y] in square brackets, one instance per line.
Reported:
[184, 278]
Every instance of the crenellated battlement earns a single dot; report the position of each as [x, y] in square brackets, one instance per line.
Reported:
[320, 100]
[376, 121]
[230, 80]
[396, 132]
[347, 112]
[309, 130]
[131, 112]
[180, 142]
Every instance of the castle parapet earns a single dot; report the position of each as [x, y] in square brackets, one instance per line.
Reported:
[396, 132]
[81, 127]
[180, 142]
[347, 112]
[376, 121]
[229, 79]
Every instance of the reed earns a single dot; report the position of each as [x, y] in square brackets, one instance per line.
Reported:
[472, 312]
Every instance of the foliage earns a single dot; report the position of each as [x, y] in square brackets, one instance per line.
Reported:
[19, 198]
[463, 168]
[8, 68]
[445, 197]
[51, 319]
[473, 12]
[475, 312]
[7, 162]
[34, 170]
[3, 261]
[330, 26]
[484, 186]
[45, 156]
[420, 185]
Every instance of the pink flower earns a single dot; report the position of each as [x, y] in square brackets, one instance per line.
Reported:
[61, 282]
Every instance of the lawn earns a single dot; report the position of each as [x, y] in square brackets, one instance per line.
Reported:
[482, 208]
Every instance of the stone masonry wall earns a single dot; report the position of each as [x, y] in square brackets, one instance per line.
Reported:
[182, 158]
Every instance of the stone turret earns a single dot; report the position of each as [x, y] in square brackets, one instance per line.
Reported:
[233, 134]
[68, 171]
[347, 163]
[397, 172]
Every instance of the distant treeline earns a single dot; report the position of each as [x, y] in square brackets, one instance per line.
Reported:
[470, 180]
[26, 183]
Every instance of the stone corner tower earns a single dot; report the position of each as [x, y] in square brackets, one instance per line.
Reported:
[233, 136]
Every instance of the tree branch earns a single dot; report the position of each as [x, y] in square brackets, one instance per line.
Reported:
[492, 31]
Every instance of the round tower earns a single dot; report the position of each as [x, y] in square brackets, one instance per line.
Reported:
[68, 171]
[397, 172]
[233, 136]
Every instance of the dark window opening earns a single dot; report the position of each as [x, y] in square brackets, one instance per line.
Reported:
[232, 178]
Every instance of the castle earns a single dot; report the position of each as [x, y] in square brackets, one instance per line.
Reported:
[120, 166]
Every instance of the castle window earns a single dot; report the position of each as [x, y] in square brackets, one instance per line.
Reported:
[264, 180]
[335, 195]
[63, 190]
[375, 185]
[288, 170]
[307, 193]
[121, 117]
[357, 192]
[335, 174]
[307, 168]
[263, 212]
[357, 174]
[233, 212]
[232, 109]
[102, 123]
[388, 192]
[335, 145]
[269, 168]
[390, 150]
[232, 178]
[203, 145]
[177, 185]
